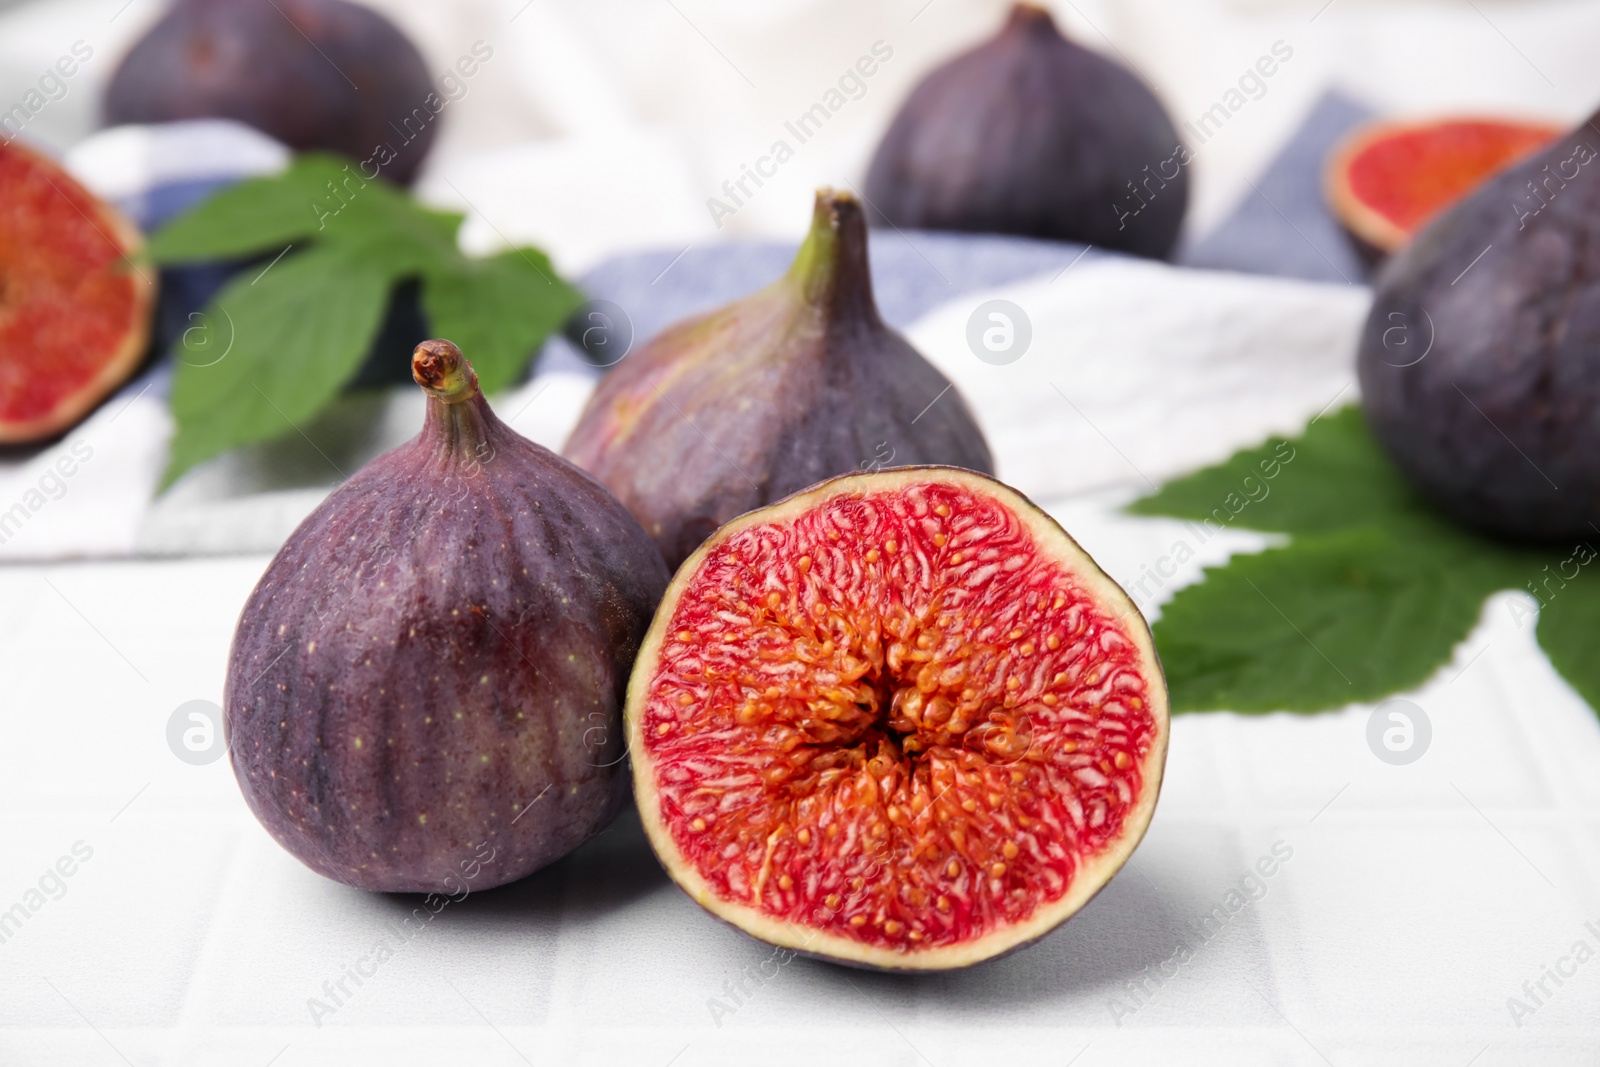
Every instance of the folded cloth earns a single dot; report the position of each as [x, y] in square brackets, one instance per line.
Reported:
[250, 500]
[1135, 371]
[153, 172]
[1229, 358]
[1282, 224]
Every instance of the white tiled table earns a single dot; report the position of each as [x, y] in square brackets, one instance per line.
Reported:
[1417, 899]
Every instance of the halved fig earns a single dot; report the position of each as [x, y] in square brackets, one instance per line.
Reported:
[899, 720]
[74, 298]
[1387, 179]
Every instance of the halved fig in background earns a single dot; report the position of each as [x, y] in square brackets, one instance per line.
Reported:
[1387, 179]
[74, 298]
[898, 720]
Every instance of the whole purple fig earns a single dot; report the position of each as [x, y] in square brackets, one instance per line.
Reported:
[315, 74]
[1030, 134]
[794, 384]
[426, 687]
[1480, 358]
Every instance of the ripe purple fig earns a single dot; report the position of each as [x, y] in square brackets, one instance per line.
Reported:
[1030, 134]
[1480, 358]
[429, 678]
[769, 395]
[315, 74]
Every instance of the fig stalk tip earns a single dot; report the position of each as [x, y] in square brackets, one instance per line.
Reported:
[1027, 15]
[443, 372]
[831, 266]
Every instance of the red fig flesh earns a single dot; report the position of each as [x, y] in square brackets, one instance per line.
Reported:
[75, 298]
[898, 720]
[1386, 180]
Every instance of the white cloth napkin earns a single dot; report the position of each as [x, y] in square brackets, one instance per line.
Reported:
[605, 127]
[1136, 371]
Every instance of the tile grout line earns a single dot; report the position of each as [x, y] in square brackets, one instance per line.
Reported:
[1555, 773]
[227, 903]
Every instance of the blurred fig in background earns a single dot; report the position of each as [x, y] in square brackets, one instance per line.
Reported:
[1480, 358]
[1386, 180]
[1031, 134]
[75, 298]
[315, 74]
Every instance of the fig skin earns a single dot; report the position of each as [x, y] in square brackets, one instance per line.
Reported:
[1033, 135]
[433, 668]
[315, 74]
[769, 395]
[1482, 379]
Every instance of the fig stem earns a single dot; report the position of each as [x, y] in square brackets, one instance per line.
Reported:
[1031, 16]
[443, 372]
[459, 420]
[831, 268]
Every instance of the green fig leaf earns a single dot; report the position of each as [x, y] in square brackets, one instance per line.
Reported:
[1332, 477]
[256, 215]
[272, 358]
[498, 309]
[1326, 621]
[1569, 619]
[296, 327]
[1370, 596]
